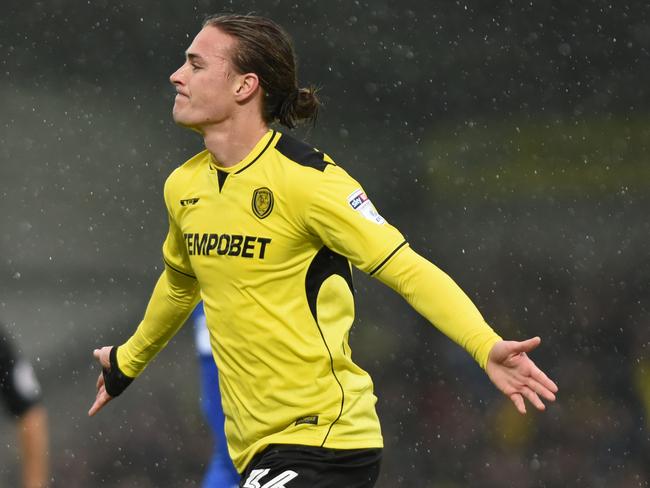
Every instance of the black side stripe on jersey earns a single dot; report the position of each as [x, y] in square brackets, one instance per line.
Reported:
[326, 263]
[260, 154]
[381, 265]
[178, 270]
[301, 153]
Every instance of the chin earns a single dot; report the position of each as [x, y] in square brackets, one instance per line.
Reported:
[180, 120]
[187, 124]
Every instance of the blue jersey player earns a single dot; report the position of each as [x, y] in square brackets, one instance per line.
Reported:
[221, 472]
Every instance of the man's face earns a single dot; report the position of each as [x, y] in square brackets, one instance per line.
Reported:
[205, 83]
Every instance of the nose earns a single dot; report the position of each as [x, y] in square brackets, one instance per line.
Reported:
[176, 77]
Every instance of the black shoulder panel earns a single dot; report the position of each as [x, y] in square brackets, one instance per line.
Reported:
[301, 153]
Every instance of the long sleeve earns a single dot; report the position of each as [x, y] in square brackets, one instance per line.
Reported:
[173, 299]
[440, 300]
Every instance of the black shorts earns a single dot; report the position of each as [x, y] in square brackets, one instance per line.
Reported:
[294, 466]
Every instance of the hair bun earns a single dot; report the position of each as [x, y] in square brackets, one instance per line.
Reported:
[301, 104]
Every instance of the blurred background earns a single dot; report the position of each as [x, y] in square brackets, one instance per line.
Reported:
[509, 141]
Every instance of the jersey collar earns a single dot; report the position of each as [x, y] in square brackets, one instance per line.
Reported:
[262, 145]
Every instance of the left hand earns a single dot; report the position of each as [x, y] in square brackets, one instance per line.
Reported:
[102, 398]
[512, 372]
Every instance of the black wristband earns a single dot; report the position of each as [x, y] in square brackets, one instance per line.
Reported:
[115, 381]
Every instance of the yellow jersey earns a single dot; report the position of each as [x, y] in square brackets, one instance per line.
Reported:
[270, 242]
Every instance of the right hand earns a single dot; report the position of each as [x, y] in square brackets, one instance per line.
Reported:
[517, 376]
[103, 357]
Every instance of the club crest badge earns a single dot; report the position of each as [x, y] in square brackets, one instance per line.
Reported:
[262, 202]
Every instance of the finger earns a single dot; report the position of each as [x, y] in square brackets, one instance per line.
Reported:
[527, 345]
[533, 398]
[541, 377]
[96, 407]
[102, 355]
[518, 400]
[99, 356]
[541, 390]
[101, 399]
[100, 381]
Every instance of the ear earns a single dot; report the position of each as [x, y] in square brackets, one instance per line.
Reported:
[246, 86]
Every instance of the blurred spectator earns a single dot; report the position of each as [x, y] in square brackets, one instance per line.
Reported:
[21, 394]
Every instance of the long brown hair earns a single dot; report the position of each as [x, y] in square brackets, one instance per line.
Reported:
[264, 48]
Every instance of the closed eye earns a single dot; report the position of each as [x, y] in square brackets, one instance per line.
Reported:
[195, 61]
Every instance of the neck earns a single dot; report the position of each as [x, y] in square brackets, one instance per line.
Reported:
[232, 140]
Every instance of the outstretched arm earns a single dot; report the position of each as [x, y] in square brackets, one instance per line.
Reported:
[441, 301]
[173, 299]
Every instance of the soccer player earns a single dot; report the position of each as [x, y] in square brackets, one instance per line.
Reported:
[264, 228]
[221, 473]
[20, 393]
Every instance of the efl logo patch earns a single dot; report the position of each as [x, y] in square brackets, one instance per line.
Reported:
[357, 199]
[360, 202]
